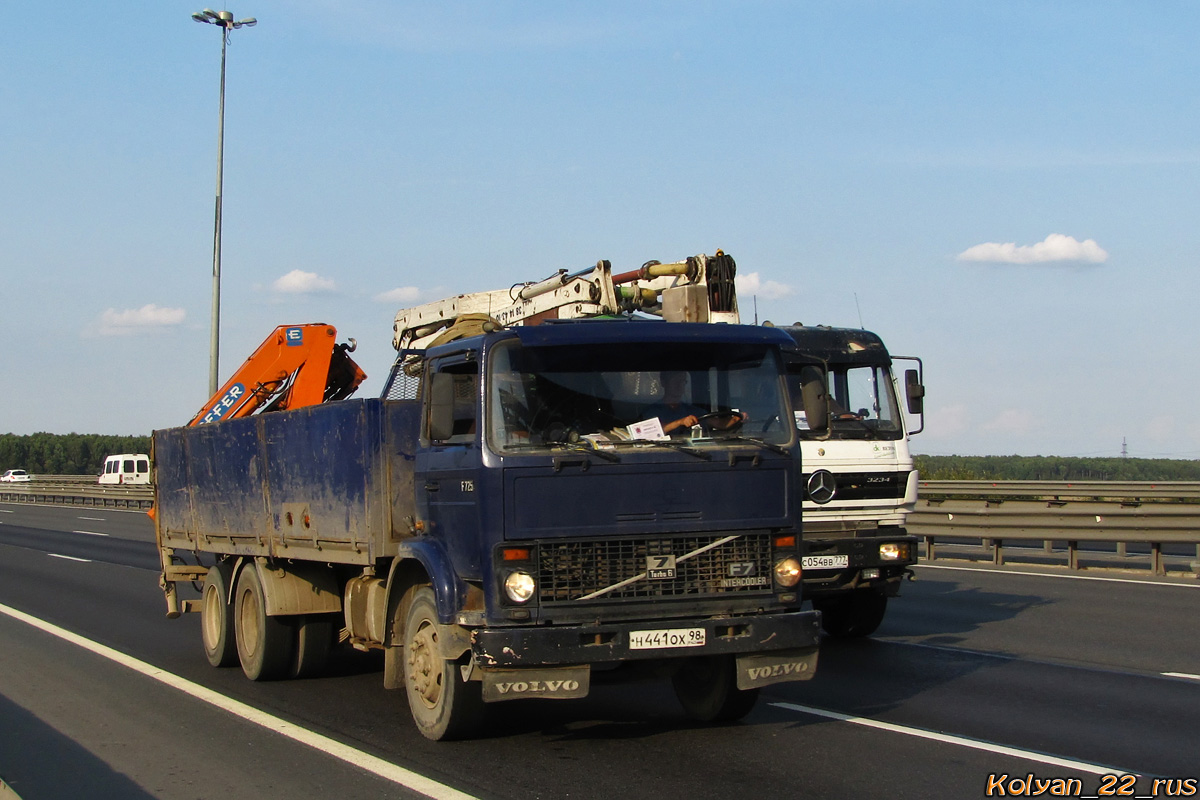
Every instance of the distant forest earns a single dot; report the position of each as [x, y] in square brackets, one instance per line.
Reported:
[1054, 468]
[65, 454]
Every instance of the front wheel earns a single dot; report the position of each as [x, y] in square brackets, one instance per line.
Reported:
[443, 705]
[855, 615]
[707, 689]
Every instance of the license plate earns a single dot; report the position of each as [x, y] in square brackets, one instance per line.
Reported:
[825, 562]
[665, 638]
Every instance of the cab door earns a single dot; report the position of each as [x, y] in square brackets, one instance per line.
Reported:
[448, 467]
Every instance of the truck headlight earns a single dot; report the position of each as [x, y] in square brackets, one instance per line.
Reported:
[787, 572]
[893, 551]
[519, 586]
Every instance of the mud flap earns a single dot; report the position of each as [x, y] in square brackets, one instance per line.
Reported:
[764, 669]
[553, 683]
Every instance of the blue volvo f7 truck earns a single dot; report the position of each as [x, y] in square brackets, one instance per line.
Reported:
[516, 514]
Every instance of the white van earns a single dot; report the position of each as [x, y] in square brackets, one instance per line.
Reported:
[126, 468]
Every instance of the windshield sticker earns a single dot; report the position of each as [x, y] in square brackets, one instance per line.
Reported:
[648, 429]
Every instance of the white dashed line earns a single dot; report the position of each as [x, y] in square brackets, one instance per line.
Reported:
[961, 741]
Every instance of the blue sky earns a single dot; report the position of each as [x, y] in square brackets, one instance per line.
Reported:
[1008, 190]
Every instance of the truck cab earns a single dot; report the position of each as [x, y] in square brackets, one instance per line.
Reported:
[859, 483]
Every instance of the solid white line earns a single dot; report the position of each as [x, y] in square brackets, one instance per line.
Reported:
[1053, 575]
[70, 558]
[90, 533]
[372, 764]
[961, 741]
[1187, 675]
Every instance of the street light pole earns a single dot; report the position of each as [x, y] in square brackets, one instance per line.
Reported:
[223, 20]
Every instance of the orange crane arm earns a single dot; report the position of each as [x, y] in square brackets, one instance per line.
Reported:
[297, 365]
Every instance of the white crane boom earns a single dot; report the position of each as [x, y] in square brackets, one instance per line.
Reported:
[698, 289]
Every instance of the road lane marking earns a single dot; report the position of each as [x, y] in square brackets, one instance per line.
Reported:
[70, 558]
[94, 519]
[961, 741]
[372, 764]
[1047, 662]
[90, 533]
[1053, 575]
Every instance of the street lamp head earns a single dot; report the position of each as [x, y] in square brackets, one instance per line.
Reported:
[223, 19]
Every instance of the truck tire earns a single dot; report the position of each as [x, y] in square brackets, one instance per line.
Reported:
[855, 615]
[707, 689]
[265, 645]
[216, 618]
[443, 705]
[314, 642]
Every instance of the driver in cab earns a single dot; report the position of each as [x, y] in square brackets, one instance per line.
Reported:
[676, 415]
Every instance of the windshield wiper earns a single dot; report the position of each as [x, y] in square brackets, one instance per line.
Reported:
[583, 448]
[551, 447]
[682, 448]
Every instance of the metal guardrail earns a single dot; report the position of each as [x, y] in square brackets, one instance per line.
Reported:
[991, 513]
[1061, 516]
[71, 490]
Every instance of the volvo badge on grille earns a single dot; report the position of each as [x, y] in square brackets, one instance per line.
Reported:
[822, 486]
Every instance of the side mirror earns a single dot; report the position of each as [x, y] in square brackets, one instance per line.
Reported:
[441, 406]
[816, 402]
[914, 391]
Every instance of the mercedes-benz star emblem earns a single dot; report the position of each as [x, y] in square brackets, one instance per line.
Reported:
[822, 486]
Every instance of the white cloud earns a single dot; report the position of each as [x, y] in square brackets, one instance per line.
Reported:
[139, 320]
[1055, 247]
[405, 295]
[301, 282]
[749, 283]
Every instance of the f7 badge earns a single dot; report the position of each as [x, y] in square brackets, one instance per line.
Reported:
[660, 567]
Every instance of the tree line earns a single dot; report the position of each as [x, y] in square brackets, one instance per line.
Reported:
[65, 454]
[84, 454]
[1054, 468]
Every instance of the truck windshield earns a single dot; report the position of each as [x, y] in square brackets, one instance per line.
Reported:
[624, 395]
[862, 403]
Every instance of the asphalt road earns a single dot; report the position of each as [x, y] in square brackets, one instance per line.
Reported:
[975, 674]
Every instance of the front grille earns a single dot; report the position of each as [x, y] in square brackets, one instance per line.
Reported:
[865, 486]
[572, 570]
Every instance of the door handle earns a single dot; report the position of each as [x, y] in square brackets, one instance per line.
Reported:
[432, 486]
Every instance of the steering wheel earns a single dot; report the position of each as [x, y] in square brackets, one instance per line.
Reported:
[707, 421]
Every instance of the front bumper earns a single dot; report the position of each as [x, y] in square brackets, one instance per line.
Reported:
[861, 553]
[556, 645]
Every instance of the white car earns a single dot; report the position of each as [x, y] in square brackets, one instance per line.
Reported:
[16, 476]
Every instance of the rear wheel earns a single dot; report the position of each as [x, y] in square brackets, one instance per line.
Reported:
[443, 705]
[855, 615]
[216, 619]
[265, 644]
[707, 689]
